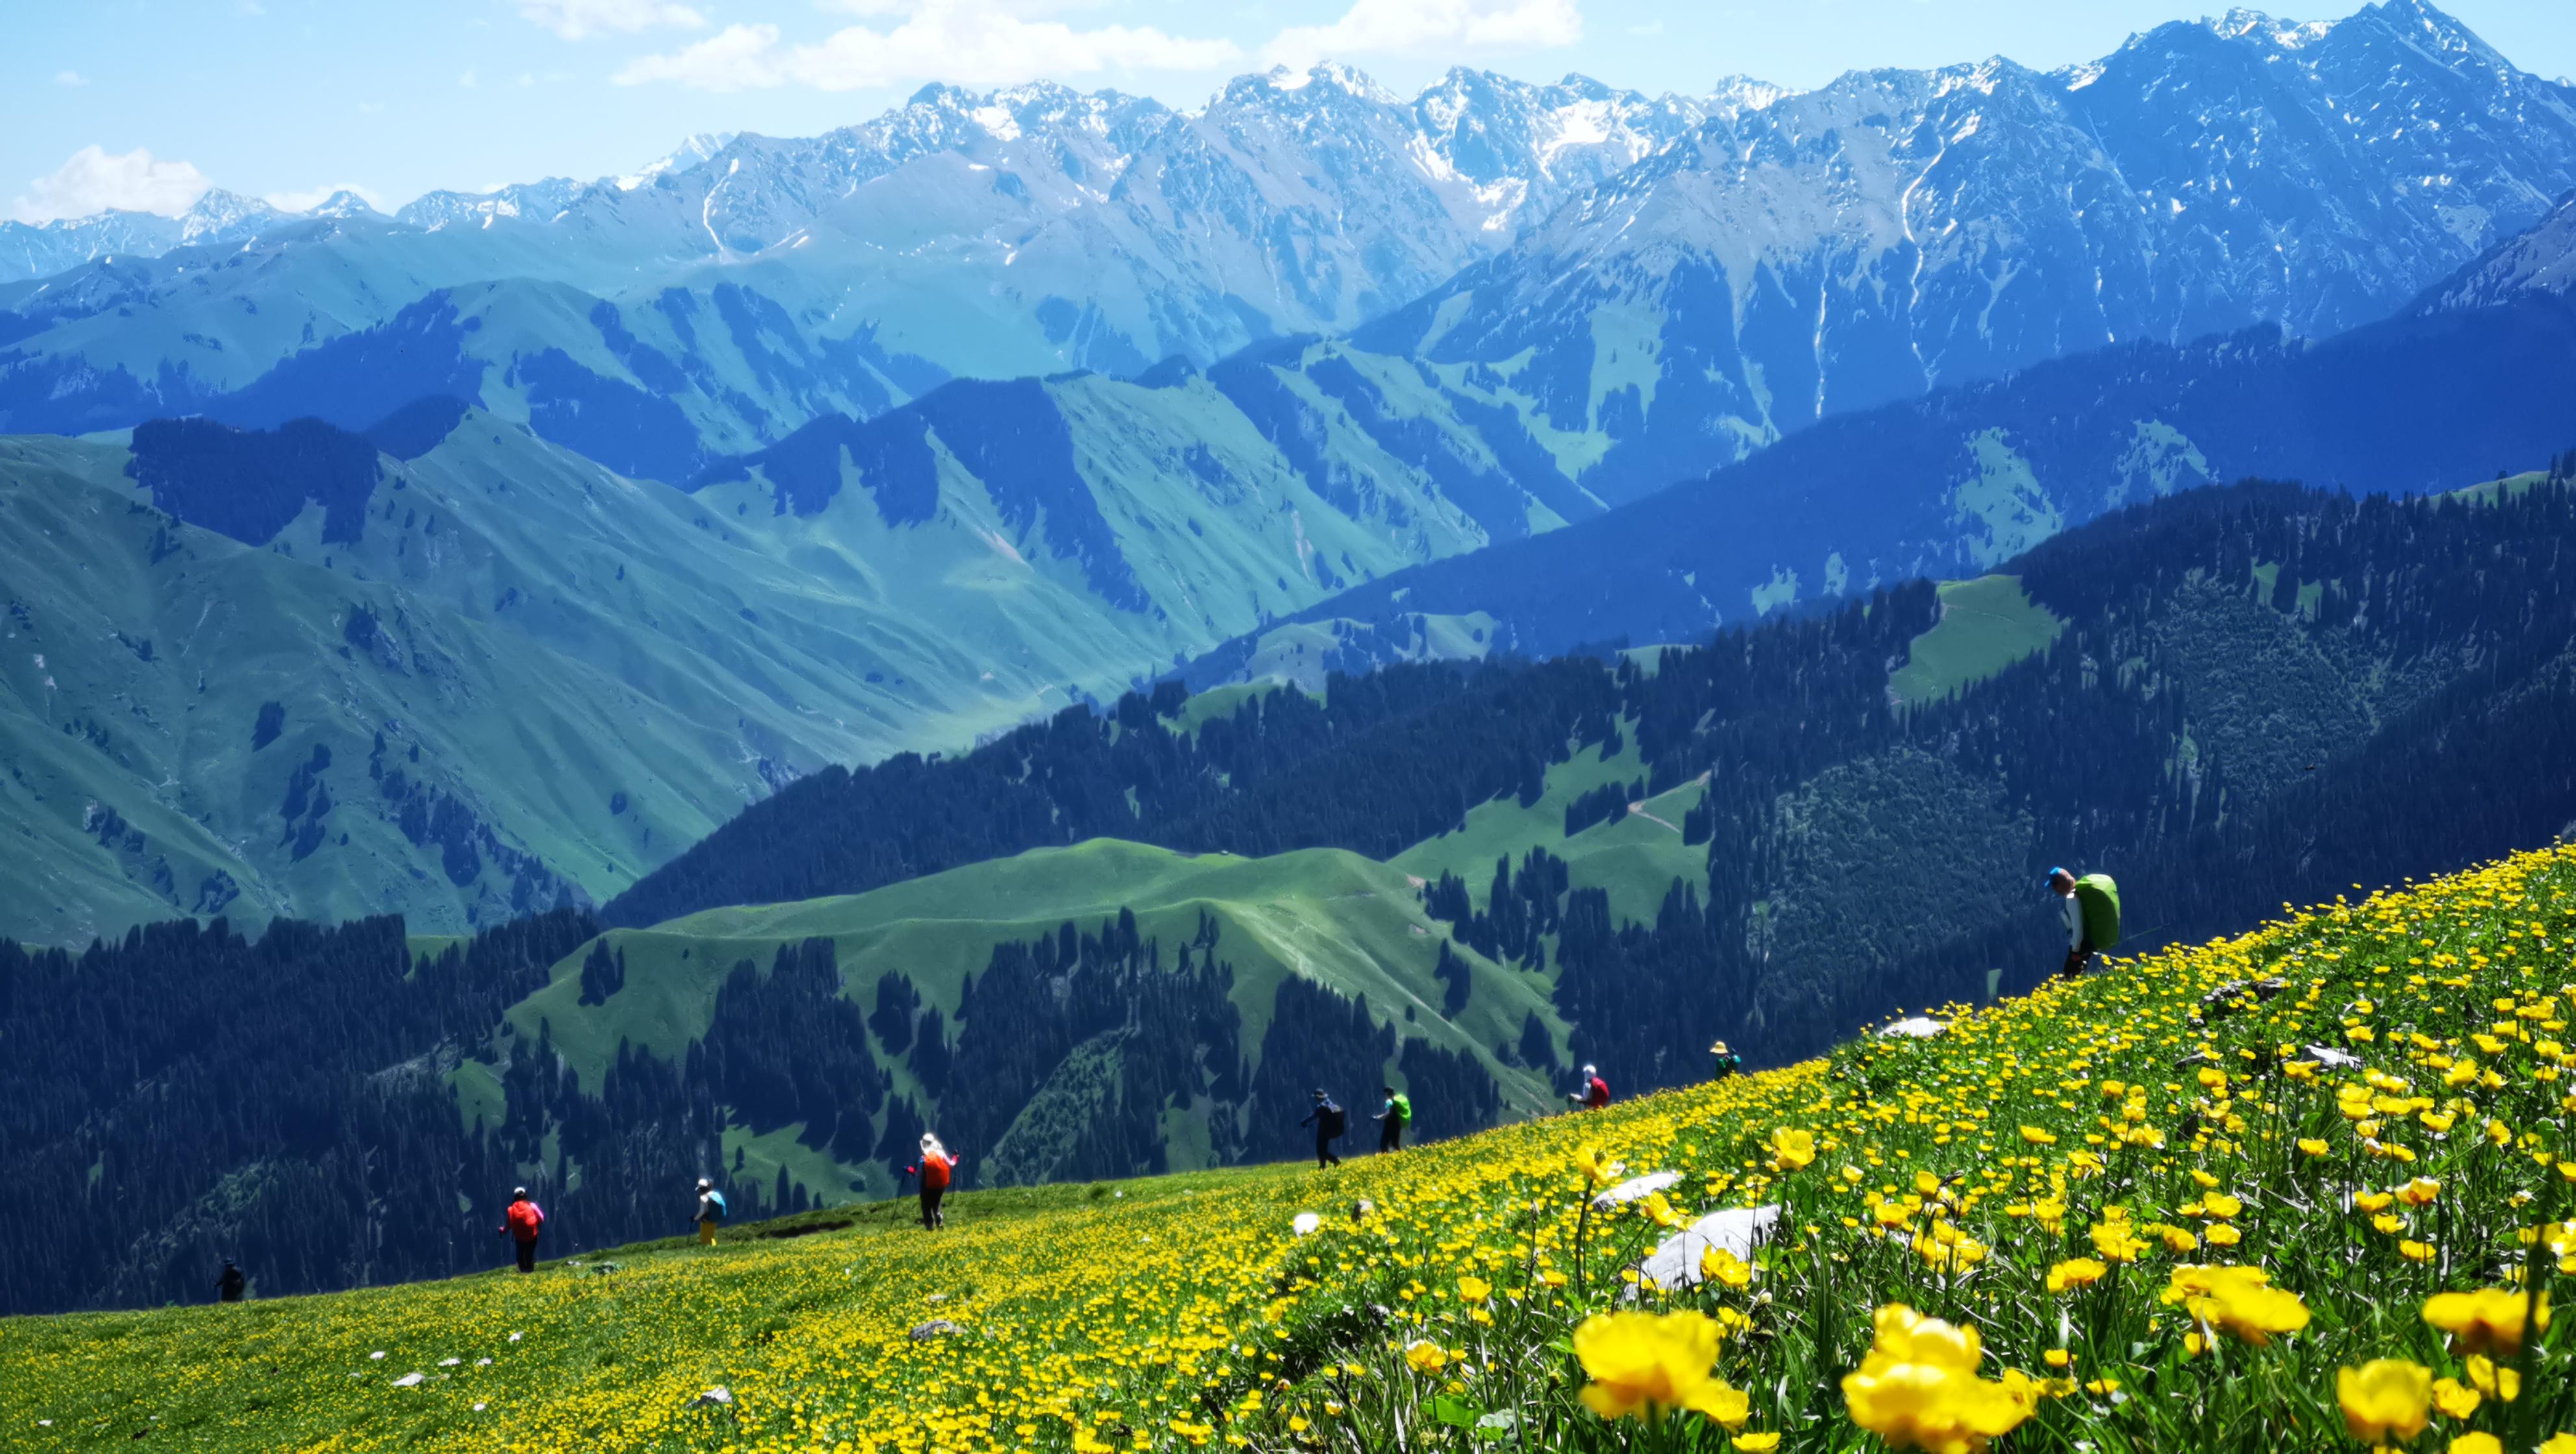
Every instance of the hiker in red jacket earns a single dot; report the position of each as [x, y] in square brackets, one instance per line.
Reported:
[522, 1223]
[1595, 1093]
[936, 1168]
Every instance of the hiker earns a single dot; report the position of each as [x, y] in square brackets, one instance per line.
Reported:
[2091, 906]
[1595, 1093]
[228, 1288]
[1392, 1118]
[1728, 1062]
[711, 1210]
[522, 1223]
[1328, 1119]
[936, 1167]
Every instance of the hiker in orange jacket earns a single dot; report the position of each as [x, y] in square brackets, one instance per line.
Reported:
[937, 1166]
[523, 1222]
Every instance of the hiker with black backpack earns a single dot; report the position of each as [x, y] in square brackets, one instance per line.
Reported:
[1328, 1119]
[711, 1211]
[1392, 1118]
[2091, 907]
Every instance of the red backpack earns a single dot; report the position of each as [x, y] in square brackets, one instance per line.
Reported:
[526, 1218]
[1598, 1093]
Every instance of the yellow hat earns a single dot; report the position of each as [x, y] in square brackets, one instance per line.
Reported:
[1718, 1049]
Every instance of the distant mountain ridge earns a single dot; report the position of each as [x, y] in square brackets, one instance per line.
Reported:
[1952, 483]
[1651, 286]
[1896, 231]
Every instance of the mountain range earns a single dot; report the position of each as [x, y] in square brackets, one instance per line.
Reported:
[1568, 256]
[650, 439]
[2462, 384]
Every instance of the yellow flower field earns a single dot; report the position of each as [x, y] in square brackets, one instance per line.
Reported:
[2135, 1212]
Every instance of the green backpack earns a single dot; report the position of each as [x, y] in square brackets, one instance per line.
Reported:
[2099, 898]
[1403, 1110]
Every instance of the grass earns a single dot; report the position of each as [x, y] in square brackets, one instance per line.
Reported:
[1323, 914]
[1986, 624]
[2050, 1172]
[1635, 856]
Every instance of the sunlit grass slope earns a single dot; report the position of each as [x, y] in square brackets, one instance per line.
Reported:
[2168, 1224]
[1986, 624]
[1331, 917]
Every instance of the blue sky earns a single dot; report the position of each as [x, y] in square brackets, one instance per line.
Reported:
[145, 102]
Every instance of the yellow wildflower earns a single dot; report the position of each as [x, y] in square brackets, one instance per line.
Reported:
[2486, 1321]
[2075, 1272]
[1718, 1265]
[2455, 1399]
[2239, 1301]
[1651, 1363]
[2385, 1400]
[1918, 1388]
[1792, 1148]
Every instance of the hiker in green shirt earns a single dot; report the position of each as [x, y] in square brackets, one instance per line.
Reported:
[2091, 906]
[1391, 1119]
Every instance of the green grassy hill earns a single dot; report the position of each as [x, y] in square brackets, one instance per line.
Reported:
[1330, 918]
[574, 674]
[2207, 1257]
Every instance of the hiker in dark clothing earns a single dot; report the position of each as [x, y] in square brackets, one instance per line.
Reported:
[1328, 1120]
[522, 1223]
[2091, 907]
[711, 1211]
[229, 1287]
[1391, 1119]
[1728, 1062]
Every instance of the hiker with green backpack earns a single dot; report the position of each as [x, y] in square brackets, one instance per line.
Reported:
[2091, 905]
[1392, 1118]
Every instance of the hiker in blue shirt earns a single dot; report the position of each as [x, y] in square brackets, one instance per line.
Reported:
[1392, 1118]
[1328, 1119]
[2091, 907]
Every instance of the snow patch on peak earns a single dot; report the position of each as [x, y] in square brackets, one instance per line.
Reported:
[1736, 95]
[697, 149]
[998, 120]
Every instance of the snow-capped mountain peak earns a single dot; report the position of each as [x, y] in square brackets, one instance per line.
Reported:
[687, 154]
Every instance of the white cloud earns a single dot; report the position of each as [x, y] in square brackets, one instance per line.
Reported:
[970, 42]
[70, 78]
[581, 19]
[1437, 28]
[735, 58]
[312, 197]
[93, 181]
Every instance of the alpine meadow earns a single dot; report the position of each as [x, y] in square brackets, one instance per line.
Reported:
[1115, 727]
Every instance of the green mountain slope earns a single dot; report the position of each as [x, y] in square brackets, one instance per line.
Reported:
[1169, 1312]
[572, 674]
[1329, 918]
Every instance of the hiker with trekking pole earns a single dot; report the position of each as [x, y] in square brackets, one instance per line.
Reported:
[2091, 907]
[937, 1166]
